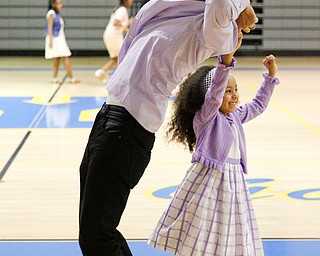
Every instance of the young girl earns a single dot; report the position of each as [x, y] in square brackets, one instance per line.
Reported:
[56, 44]
[211, 212]
[113, 36]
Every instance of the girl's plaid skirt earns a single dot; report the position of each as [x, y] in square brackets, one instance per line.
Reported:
[211, 213]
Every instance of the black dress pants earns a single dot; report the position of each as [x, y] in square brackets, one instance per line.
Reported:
[115, 158]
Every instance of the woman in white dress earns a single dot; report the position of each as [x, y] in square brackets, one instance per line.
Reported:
[113, 36]
[56, 46]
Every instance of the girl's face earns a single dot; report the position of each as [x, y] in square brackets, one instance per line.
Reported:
[230, 98]
[128, 3]
[57, 5]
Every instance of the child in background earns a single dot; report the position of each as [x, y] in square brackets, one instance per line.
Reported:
[211, 212]
[113, 36]
[56, 44]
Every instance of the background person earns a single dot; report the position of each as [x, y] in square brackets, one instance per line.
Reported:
[56, 46]
[113, 36]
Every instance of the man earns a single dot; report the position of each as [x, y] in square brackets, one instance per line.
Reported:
[166, 41]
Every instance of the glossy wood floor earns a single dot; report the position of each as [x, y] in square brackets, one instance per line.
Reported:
[39, 162]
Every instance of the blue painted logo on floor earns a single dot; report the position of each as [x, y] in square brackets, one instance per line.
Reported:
[41, 112]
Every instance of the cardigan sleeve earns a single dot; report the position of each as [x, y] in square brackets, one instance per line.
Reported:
[260, 102]
[214, 95]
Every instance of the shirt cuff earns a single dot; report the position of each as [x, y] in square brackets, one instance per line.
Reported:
[270, 80]
[233, 63]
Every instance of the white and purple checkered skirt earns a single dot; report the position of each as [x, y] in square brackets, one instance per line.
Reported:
[211, 213]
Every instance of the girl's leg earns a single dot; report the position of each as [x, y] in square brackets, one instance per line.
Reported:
[67, 65]
[56, 64]
[101, 73]
[110, 64]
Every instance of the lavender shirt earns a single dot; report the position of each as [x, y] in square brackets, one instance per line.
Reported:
[166, 41]
[213, 130]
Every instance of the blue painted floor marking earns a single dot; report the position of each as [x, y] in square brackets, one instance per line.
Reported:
[25, 112]
[272, 247]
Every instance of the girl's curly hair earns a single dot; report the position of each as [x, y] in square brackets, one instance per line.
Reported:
[188, 101]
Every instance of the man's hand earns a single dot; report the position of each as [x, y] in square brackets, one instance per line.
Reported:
[247, 20]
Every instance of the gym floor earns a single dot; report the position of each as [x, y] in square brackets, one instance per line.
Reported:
[44, 128]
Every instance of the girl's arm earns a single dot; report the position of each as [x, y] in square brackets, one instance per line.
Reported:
[121, 19]
[214, 95]
[117, 23]
[50, 28]
[259, 104]
[271, 65]
[227, 58]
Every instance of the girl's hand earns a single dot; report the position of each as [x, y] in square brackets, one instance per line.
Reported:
[240, 37]
[130, 21]
[227, 58]
[271, 65]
